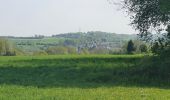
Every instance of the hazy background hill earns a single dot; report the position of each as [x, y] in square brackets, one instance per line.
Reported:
[89, 40]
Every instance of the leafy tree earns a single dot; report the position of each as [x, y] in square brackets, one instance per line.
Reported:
[143, 48]
[146, 14]
[57, 50]
[155, 48]
[151, 14]
[130, 47]
[68, 42]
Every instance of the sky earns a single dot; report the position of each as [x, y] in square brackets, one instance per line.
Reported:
[47, 17]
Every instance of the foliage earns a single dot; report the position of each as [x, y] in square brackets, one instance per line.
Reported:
[20, 52]
[71, 50]
[70, 42]
[130, 47]
[165, 5]
[39, 53]
[139, 46]
[57, 50]
[84, 51]
[118, 51]
[83, 42]
[6, 49]
[61, 50]
[143, 48]
[99, 51]
[149, 14]
[156, 48]
[146, 14]
[161, 46]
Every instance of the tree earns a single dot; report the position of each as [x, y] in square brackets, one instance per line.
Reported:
[143, 48]
[130, 47]
[151, 14]
[165, 5]
[146, 14]
[155, 48]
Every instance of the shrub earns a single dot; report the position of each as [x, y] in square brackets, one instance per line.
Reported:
[130, 47]
[143, 48]
[71, 50]
[6, 48]
[57, 50]
[37, 53]
[99, 51]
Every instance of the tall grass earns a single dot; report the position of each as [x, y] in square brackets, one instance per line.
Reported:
[82, 77]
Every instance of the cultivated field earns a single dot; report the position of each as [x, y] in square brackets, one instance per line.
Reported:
[81, 77]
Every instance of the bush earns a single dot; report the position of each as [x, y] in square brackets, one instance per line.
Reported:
[6, 48]
[38, 53]
[143, 48]
[20, 52]
[84, 51]
[99, 51]
[61, 50]
[57, 50]
[130, 47]
[71, 50]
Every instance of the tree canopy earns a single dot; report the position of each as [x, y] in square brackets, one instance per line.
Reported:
[130, 47]
[146, 14]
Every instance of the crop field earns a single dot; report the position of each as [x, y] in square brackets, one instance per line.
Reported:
[81, 77]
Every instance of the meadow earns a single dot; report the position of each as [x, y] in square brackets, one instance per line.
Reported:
[82, 77]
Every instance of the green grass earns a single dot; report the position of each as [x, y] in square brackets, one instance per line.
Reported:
[82, 77]
[34, 44]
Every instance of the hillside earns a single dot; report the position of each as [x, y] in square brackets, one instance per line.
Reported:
[77, 40]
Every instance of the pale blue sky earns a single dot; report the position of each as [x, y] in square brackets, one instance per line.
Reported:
[47, 17]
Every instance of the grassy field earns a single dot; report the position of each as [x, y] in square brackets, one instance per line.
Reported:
[82, 77]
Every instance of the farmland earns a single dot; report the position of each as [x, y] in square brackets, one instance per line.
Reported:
[85, 50]
[87, 40]
[82, 77]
